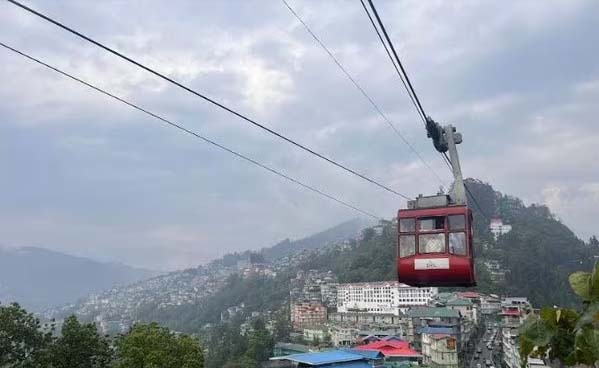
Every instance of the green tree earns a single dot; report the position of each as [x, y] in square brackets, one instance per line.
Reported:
[567, 335]
[152, 346]
[79, 346]
[260, 343]
[22, 342]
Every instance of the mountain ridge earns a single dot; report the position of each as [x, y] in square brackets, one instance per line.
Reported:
[40, 278]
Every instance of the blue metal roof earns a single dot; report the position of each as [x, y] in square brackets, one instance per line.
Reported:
[370, 354]
[349, 365]
[324, 358]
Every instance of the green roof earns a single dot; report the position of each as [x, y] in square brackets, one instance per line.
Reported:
[459, 302]
[427, 312]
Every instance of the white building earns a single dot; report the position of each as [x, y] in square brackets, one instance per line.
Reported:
[535, 363]
[317, 333]
[490, 304]
[388, 297]
[499, 228]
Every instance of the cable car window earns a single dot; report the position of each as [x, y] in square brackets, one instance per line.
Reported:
[432, 223]
[407, 225]
[457, 222]
[457, 243]
[407, 245]
[431, 243]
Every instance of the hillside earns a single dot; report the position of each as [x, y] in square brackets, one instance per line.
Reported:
[176, 296]
[537, 257]
[345, 230]
[40, 278]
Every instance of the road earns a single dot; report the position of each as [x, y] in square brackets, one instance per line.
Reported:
[486, 353]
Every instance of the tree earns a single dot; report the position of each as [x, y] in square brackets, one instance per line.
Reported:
[152, 346]
[567, 335]
[260, 343]
[22, 342]
[80, 346]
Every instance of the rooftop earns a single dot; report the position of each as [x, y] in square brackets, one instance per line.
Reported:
[432, 312]
[437, 330]
[324, 357]
[459, 302]
[391, 348]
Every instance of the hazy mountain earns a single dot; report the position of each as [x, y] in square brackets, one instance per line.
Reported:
[345, 230]
[40, 278]
[184, 290]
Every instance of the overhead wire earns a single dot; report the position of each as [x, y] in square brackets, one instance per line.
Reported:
[190, 132]
[384, 30]
[401, 77]
[362, 91]
[206, 98]
[407, 83]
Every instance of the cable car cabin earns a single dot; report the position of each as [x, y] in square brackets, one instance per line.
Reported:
[435, 246]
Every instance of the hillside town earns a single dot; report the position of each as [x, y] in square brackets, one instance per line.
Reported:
[388, 324]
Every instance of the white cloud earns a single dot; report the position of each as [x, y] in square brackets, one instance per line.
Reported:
[517, 79]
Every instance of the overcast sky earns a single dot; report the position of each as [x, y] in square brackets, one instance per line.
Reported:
[83, 174]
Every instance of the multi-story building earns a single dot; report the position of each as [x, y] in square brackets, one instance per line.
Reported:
[496, 271]
[440, 350]
[343, 335]
[316, 334]
[304, 314]
[498, 228]
[361, 318]
[514, 311]
[490, 304]
[423, 317]
[388, 297]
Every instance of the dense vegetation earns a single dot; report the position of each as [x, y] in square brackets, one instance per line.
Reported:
[25, 343]
[567, 335]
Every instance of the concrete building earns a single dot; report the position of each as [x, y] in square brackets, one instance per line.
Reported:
[421, 318]
[498, 228]
[343, 336]
[496, 271]
[305, 314]
[388, 297]
[514, 311]
[439, 350]
[536, 363]
[490, 304]
[316, 334]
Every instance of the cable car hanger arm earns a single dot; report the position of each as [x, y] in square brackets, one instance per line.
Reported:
[445, 138]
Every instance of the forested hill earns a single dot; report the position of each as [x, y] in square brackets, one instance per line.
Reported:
[538, 255]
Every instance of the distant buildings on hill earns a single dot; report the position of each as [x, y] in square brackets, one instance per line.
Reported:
[388, 297]
[498, 228]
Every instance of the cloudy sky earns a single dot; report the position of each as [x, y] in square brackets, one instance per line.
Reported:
[83, 174]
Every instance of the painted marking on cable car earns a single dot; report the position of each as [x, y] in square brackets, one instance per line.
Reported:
[431, 264]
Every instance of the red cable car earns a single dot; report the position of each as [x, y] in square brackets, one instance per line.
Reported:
[434, 246]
